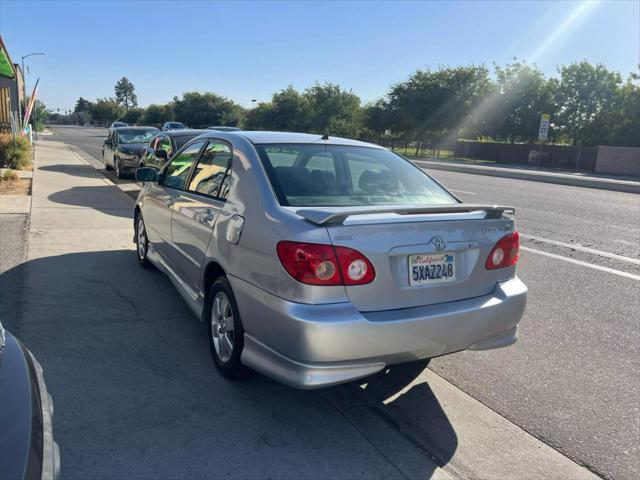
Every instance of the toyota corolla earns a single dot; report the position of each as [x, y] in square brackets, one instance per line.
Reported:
[319, 260]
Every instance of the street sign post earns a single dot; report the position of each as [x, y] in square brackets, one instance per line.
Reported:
[543, 133]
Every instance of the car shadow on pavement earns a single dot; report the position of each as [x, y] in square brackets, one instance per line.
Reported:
[98, 198]
[137, 396]
[85, 171]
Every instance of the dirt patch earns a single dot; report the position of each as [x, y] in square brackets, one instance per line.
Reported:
[16, 187]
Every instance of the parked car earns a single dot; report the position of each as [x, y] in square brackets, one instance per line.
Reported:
[122, 150]
[319, 260]
[222, 128]
[168, 126]
[162, 147]
[118, 125]
[27, 448]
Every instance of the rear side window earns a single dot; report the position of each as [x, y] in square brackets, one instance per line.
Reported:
[177, 171]
[337, 175]
[210, 177]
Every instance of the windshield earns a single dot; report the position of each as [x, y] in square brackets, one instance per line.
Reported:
[176, 125]
[336, 175]
[135, 136]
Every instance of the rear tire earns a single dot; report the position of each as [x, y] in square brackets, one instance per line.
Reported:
[226, 334]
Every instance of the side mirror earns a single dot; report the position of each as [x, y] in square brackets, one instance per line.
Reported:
[162, 154]
[146, 174]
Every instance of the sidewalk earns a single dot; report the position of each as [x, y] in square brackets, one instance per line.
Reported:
[533, 174]
[73, 207]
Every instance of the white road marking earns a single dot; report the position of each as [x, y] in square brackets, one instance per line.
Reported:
[625, 242]
[462, 191]
[581, 248]
[584, 264]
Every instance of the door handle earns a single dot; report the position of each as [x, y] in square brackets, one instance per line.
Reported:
[169, 203]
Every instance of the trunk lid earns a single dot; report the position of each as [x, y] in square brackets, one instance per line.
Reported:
[397, 240]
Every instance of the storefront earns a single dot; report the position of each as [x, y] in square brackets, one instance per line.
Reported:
[11, 91]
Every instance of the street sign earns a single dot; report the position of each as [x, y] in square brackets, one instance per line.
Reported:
[544, 126]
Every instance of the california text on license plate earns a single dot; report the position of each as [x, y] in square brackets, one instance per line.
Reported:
[431, 268]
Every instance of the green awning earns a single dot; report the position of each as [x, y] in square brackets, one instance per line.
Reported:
[6, 69]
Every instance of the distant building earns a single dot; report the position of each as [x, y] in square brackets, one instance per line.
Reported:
[11, 90]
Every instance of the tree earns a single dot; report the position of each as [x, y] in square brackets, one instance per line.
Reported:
[133, 116]
[39, 115]
[125, 93]
[106, 110]
[202, 110]
[333, 110]
[586, 95]
[287, 111]
[83, 106]
[523, 94]
[155, 115]
[434, 103]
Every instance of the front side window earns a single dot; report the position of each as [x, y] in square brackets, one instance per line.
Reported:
[153, 145]
[210, 177]
[166, 146]
[177, 171]
[338, 175]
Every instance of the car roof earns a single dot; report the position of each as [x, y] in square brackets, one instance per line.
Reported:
[184, 132]
[136, 128]
[259, 137]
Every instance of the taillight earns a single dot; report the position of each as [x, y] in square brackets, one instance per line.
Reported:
[505, 253]
[318, 264]
[355, 267]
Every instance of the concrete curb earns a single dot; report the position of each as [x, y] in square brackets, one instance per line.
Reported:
[535, 176]
[464, 437]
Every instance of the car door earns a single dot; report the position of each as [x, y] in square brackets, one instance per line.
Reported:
[197, 208]
[159, 202]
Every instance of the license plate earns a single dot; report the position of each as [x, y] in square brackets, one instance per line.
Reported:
[430, 268]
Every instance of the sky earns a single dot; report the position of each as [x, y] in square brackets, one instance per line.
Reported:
[249, 50]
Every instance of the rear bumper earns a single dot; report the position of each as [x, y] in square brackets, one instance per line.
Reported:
[312, 346]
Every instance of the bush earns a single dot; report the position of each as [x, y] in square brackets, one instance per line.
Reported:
[8, 176]
[15, 153]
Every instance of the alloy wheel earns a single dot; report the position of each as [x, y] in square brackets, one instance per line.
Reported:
[141, 239]
[222, 326]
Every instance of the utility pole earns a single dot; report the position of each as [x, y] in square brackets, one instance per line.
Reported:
[24, 80]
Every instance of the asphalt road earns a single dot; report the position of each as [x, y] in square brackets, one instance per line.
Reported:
[573, 378]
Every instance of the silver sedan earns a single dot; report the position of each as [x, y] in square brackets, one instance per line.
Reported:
[320, 260]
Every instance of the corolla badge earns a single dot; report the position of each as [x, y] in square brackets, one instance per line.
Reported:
[438, 243]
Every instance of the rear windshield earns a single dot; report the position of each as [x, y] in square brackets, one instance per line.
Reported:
[334, 175]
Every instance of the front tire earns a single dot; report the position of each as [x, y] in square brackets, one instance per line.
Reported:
[142, 243]
[226, 335]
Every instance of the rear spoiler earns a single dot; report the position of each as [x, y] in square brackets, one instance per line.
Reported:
[338, 216]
